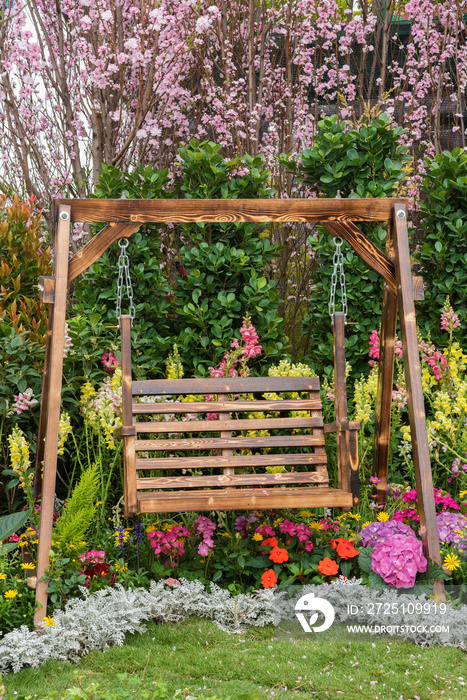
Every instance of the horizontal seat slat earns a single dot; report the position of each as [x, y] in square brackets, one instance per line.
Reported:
[180, 482]
[212, 426]
[230, 443]
[243, 499]
[233, 385]
[230, 461]
[231, 406]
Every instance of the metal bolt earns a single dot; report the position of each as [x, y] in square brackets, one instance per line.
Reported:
[64, 215]
[400, 213]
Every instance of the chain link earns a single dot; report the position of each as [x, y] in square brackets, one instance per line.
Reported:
[338, 268]
[124, 278]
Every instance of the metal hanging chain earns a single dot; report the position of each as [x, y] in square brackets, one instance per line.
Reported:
[124, 276]
[338, 267]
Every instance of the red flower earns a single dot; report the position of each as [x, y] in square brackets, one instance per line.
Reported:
[270, 542]
[328, 567]
[278, 555]
[344, 548]
[269, 578]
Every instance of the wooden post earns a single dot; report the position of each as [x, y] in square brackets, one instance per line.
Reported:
[44, 406]
[413, 380]
[127, 419]
[385, 380]
[58, 310]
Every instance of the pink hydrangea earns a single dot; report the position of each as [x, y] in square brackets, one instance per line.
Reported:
[398, 560]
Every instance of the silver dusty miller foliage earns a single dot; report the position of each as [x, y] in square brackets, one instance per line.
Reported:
[103, 619]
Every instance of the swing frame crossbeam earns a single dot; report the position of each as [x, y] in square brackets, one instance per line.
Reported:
[337, 216]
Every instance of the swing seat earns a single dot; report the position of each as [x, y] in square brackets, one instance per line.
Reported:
[228, 444]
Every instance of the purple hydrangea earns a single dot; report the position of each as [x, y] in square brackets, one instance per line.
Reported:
[452, 528]
[398, 560]
[375, 533]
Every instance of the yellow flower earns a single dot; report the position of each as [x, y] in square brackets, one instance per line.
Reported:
[2, 577]
[365, 524]
[28, 565]
[451, 562]
[49, 621]
[257, 537]
[224, 534]
[119, 568]
[355, 516]
[462, 494]
[316, 526]
[383, 517]
[10, 594]
[278, 521]
[306, 514]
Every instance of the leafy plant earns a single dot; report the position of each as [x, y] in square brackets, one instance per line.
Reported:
[443, 252]
[192, 284]
[24, 257]
[367, 161]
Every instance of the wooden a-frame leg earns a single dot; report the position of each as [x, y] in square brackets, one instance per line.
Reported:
[413, 380]
[44, 406]
[58, 310]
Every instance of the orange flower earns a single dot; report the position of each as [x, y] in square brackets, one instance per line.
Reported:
[346, 550]
[270, 542]
[269, 578]
[327, 567]
[278, 555]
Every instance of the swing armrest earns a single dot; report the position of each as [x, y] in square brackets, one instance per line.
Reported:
[124, 431]
[344, 426]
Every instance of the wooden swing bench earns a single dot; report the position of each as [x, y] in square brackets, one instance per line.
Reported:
[235, 455]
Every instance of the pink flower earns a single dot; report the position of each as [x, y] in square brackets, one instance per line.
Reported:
[398, 560]
[449, 318]
[110, 362]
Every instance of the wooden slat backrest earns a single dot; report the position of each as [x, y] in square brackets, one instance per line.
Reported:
[225, 435]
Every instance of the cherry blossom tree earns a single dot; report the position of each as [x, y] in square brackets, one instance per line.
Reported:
[125, 82]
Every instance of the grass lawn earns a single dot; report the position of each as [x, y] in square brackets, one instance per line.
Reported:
[202, 661]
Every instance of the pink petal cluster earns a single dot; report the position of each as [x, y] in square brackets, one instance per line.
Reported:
[234, 362]
[300, 530]
[110, 362]
[435, 359]
[169, 542]
[24, 401]
[250, 339]
[441, 498]
[205, 527]
[398, 560]
[449, 318]
[374, 348]
[92, 557]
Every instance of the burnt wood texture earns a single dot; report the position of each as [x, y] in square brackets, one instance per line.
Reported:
[413, 381]
[51, 399]
[123, 218]
[171, 465]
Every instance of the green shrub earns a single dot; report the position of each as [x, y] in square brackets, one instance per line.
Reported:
[443, 253]
[192, 283]
[367, 161]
